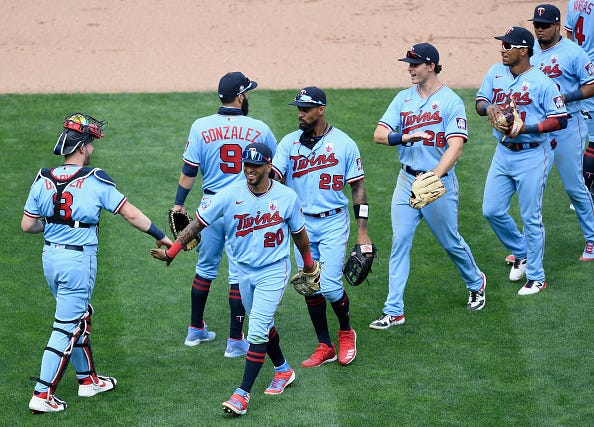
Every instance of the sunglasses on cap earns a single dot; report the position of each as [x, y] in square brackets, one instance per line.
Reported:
[506, 47]
[306, 98]
[246, 86]
[253, 156]
[413, 55]
[542, 25]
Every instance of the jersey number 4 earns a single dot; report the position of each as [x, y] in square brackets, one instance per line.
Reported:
[578, 31]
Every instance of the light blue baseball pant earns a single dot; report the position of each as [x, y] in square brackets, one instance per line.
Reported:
[210, 252]
[262, 289]
[526, 172]
[70, 276]
[328, 238]
[441, 217]
[568, 157]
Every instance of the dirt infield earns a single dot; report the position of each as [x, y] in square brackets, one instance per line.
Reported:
[161, 46]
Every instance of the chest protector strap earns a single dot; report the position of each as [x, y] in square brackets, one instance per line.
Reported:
[60, 185]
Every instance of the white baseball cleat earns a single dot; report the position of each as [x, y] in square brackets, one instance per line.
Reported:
[95, 384]
[532, 287]
[510, 259]
[518, 270]
[42, 404]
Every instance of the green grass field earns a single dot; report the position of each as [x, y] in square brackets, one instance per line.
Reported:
[520, 361]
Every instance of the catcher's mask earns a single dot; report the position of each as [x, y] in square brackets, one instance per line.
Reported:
[79, 129]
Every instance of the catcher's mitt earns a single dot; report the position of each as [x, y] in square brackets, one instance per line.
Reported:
[509, 122]
[358, 266]
[177, 222]
[426, 188]
[307, 283]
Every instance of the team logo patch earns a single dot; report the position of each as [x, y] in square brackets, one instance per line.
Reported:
[559, 102]
[590, 68]
[329, 147]
[461, 123]
[553, 59]
[435, 105]
[525, 86]
[204, 203]
[273, 205]
[359, 164]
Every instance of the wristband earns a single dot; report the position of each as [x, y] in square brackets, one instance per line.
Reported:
[394, 138]
[174, 249]
[484, 108]
[307, 260]
[361, 211]
[531, 128]
[155, 232]
[181, 195]
[576, 95]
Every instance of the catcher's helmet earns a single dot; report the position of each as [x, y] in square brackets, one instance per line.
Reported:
[79, 129]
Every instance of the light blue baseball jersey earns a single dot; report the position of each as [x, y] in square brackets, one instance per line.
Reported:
[568, 65]
[536, 96]
[319, 174]
[258, 227]
[82, 200]
[441, 115]
[580, 21]
[215, 145]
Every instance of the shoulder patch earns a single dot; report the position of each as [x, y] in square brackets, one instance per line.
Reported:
[102, 176]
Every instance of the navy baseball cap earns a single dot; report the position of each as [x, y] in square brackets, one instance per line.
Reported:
[546, 13]
[422, 53]
[256, 153]
[517, 36]
[310, 96]
[235, 83]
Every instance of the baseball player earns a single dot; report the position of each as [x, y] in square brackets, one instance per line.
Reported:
[64, 204]
[572, 71]
[427, 123]
[579, 25]
[214, 148]
[317, 161]
[258, 218]
[520, 163]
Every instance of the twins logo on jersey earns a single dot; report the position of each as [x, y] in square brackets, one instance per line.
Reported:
[247, 224]
[554, 71]
[500, 97]
[411, 121]
[304, 165]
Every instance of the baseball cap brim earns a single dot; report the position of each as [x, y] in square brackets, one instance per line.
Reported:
[413, 60]
[510, 41]
[306, 104]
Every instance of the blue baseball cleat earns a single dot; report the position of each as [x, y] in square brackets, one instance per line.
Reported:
[236, 348]
[196, 336]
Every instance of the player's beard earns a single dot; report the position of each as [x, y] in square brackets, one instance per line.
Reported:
[245, 105]
[308, 127]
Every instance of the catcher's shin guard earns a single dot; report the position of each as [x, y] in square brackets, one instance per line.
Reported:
[61, 344]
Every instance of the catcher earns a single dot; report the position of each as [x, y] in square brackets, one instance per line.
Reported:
[427, 125]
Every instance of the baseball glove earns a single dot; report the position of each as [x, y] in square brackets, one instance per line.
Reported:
[177, 222]
[509, 121]
[358, 266]
[426, 188]
[307, 283]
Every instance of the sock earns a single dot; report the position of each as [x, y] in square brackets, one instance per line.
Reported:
[237, 312]
[273, 348]
[341, 308]
[253, 363]
[200, 290]
[316, 306]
